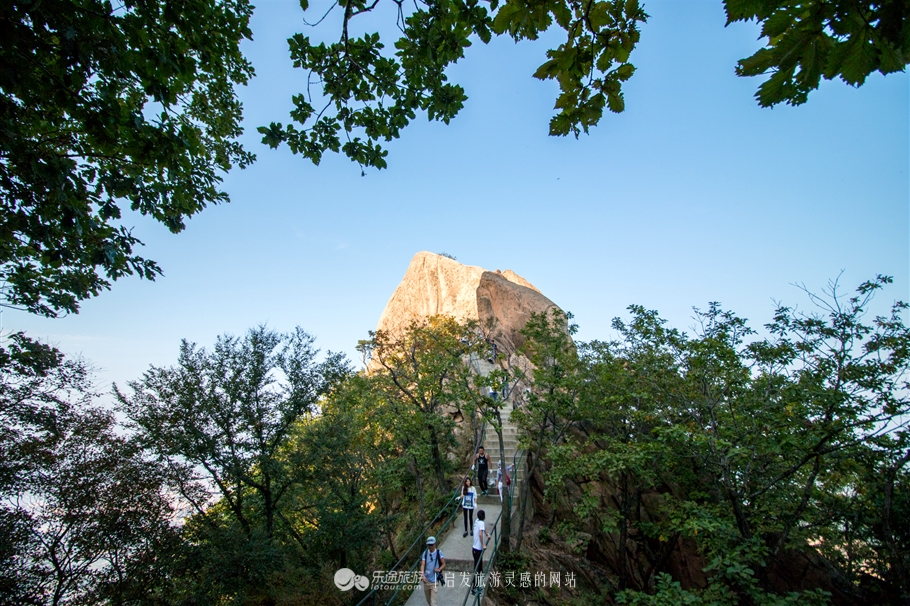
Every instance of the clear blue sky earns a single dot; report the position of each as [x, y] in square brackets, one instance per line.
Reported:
[694, 194]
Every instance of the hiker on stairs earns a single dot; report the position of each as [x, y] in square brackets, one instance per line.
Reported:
[483, 469]
[468, 499]
[481, 539]
[432, 563]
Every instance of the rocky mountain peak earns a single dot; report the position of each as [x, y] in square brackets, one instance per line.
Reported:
[434, 284]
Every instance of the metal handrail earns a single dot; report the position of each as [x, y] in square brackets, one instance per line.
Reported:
[455, 496]
[417, 561]
[491, 562]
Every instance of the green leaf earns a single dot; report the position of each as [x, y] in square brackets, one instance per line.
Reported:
[742, 10]
[859, 62]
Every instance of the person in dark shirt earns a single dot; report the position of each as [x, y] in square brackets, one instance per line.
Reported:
[482, 461]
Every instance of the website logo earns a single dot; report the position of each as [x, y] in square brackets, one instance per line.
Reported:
[345, 579]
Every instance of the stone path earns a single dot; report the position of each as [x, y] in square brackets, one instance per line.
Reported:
[459, 562]
[457, 548]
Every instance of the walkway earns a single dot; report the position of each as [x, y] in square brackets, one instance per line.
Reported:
[457, 548]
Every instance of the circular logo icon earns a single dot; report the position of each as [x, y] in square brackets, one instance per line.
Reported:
[345, 579]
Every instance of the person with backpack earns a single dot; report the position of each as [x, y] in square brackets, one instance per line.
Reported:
[468, 499]
[432, 563]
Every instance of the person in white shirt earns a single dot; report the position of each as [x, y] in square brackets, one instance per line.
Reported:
[468, 499]
[499, 481]
[481, 538]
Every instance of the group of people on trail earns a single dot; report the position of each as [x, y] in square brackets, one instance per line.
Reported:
[432, 562]
[469, 493]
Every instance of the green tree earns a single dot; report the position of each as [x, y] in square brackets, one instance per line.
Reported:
[815, 39]
[339, 455]
[366, 92]
[761, 454]
[84, 518]
[369, 94]
[419, 375]
[222, 422]
[547, 409]
[422, 377]
[381, 465]
[106, 108]
[509, 381]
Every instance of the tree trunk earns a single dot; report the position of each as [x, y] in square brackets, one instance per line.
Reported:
[505, 541]
[437, 461]
[385, 524]
[269, 507]
[423, 513]
[623, 532]
[526, 488]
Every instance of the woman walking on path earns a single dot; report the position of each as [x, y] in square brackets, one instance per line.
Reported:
[468, 499]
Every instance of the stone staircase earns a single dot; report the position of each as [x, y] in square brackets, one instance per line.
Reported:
[491, 503]
[491, 440]
[457, 549]
[510, 448]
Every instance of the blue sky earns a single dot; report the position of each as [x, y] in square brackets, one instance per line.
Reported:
[694, 194]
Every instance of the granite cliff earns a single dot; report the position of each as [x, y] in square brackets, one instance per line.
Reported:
[502, 302]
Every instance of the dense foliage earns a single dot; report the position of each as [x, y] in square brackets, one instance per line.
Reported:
[243, 474]
[723, 468]
[83, 517]
[716, 468]
[362, 91]
[808, 41]
[429, 375]
[366, 94]
[227, 424]
[105, 109]
[420, 378]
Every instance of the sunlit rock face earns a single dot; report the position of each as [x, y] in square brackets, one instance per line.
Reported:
[502, 302]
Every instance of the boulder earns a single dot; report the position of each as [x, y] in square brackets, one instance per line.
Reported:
[502, 302]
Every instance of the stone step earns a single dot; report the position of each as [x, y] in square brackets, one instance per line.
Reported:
[456, 565]
[509, 446]
[490, 499]
[493, 441]
[506, 435]
[491, 435]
